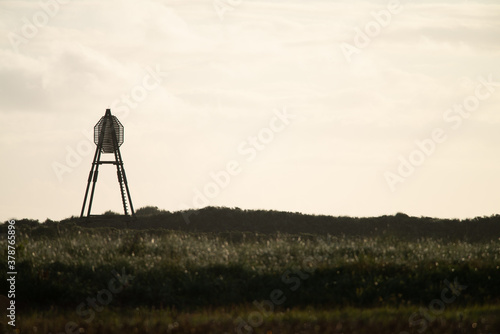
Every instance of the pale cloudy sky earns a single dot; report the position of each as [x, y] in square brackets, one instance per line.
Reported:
[198, 85]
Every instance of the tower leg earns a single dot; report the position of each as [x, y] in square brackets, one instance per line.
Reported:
[91, 176]
[122, 178]
[87, 190]
[94, 181]
[96, 173]
[119, 169]
[128, 193]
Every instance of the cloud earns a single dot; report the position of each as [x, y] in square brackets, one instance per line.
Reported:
[224, 79]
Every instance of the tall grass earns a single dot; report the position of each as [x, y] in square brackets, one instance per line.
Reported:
[189, 270]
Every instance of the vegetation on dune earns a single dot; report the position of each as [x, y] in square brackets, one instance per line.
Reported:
[214, 219]
[187, 270]
[224, 260]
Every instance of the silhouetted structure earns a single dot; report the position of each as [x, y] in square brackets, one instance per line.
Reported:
[108, 136]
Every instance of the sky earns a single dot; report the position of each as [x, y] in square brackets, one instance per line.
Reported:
[357, 108]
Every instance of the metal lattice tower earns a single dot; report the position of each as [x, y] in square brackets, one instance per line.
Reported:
[108, 136]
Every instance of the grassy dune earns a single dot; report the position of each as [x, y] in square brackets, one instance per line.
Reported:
[152, 280]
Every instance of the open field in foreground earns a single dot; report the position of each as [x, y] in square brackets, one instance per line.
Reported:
[73, 278]
[246, 319]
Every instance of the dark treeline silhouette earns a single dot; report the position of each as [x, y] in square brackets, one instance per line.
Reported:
[221, 219]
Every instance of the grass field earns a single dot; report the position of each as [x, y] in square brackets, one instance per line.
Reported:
[296, 320]
[77, 278]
